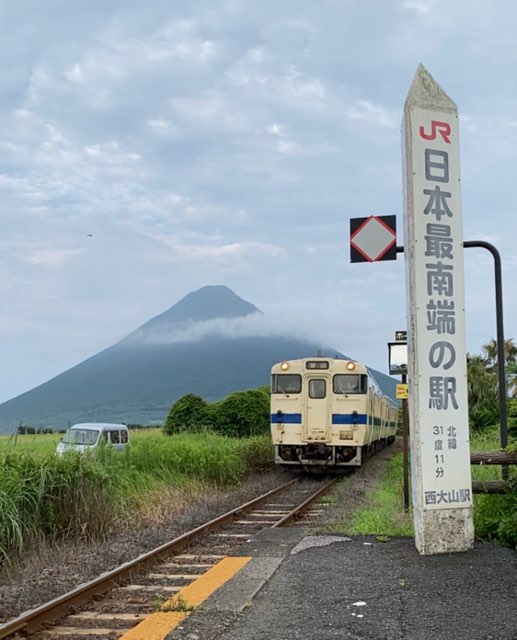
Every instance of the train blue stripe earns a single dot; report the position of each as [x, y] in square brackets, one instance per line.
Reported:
[337, 418]
[349, 418]
[286, 418]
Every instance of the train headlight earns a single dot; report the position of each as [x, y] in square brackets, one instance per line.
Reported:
[350, 366]
[284, 366]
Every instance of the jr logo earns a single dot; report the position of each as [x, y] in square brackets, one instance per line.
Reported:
[443, 128]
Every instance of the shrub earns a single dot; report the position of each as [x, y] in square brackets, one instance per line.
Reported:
[512, 417]
[189, 413]
[495, 516]
[243, 413]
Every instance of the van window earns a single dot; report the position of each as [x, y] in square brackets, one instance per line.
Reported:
[81, 436]
[123, 437]
[115, 437]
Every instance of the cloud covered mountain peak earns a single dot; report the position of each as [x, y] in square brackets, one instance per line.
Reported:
[207, 307]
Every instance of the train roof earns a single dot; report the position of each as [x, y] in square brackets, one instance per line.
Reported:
[320, 358]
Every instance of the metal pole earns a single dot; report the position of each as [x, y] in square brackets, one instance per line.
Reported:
[503, 418]
[405, 447]
[501, 373]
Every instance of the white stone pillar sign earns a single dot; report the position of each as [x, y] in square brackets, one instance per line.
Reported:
[437, 368]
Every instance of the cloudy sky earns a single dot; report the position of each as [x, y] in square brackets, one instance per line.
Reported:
[149, 149]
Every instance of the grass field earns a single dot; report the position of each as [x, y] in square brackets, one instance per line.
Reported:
[86, 496]
[46, 443]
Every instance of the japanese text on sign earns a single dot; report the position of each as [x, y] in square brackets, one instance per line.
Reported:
[439, 309]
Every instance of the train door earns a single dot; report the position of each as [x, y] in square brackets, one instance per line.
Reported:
[316, 426]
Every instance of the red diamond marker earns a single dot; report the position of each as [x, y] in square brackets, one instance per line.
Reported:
[373, 237]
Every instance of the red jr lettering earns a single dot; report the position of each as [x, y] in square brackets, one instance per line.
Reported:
[443, 128]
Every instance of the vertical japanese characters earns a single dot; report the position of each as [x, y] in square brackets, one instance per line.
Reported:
[439, 310]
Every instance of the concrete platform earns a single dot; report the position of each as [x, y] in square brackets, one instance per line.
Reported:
[328, 587]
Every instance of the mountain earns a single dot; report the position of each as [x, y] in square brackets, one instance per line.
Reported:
[207, 343]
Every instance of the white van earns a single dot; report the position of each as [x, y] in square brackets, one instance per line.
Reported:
[87, 436]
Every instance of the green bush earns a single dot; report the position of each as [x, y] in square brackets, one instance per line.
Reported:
[512, 417]
[243, 414]
[495, 516]
[240, 415]
[189, 413]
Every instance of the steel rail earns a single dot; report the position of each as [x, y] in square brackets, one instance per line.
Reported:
[58, 607]
[292, 514]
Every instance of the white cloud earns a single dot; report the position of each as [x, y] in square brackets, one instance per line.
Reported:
[53, 258]
[366, 111]
[233, 145]
[75, 74]
[419, 6]
[223, 254]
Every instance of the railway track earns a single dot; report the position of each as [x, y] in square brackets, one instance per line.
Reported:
[114, 602]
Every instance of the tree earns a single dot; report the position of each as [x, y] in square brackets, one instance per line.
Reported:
[189, 413]
[243, 413]
[510, 351]
[482, 392]
[512, 417]
[24, 429]
[511, 376]
[510, 361]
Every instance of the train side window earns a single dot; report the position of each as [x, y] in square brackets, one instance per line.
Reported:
[286, 383]
[317, 388]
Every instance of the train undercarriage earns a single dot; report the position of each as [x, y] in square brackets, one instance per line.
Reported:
[323, 456]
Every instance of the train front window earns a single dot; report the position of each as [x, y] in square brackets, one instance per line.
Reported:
[349, 383]
[317, 388]
[286, 383]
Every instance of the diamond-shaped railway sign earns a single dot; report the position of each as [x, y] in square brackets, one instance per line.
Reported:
[373, 239]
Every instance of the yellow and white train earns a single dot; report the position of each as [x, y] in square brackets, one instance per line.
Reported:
[328, 413]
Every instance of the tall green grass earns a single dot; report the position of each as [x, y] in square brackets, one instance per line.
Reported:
[85, 496]
[382, 513]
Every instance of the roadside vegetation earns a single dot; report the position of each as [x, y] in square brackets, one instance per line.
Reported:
[43, 496]
[495, 516]
[383, 515]
[86, 496]
[240, 415]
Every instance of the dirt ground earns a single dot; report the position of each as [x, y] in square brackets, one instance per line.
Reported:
[49, 571]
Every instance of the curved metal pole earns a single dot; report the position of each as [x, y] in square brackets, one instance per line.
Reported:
[503, 417]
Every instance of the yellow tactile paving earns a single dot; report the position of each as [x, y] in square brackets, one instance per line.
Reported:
[159, 624]
[156, 626]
